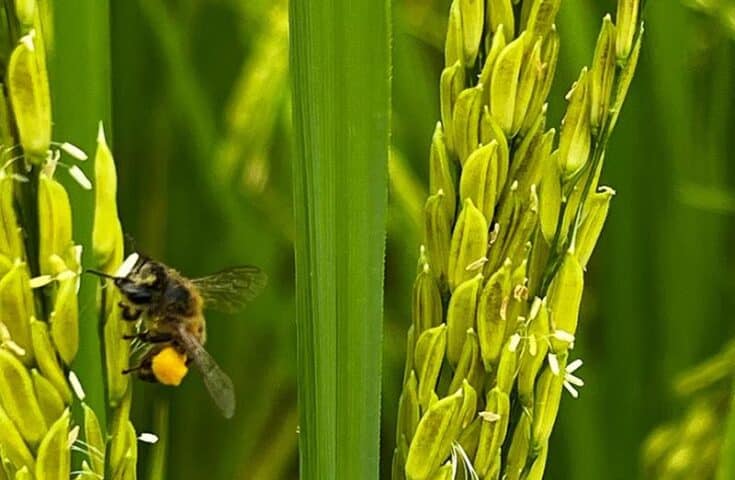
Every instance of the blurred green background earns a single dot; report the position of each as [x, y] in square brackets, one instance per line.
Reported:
[201, 131]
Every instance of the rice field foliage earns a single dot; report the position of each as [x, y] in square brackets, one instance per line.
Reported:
[201, 129]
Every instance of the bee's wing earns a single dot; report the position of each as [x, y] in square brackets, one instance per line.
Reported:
[230, 289]
[217, 382]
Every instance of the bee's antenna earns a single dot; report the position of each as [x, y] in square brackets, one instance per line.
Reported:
[100, 274]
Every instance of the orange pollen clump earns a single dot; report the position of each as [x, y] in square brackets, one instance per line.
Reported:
[169, 366]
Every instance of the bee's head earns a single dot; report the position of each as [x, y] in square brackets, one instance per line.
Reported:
[139, 279]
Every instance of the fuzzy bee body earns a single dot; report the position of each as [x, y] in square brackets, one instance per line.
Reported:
[168, 309]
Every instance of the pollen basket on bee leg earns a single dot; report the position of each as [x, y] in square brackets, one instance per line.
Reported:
[169, 367]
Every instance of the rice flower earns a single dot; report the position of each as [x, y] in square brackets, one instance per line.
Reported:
[511, 220]
[40, 268]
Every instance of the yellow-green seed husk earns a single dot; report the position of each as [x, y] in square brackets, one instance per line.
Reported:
[466, 117]
[19, 400]
[491, 316]
[469, 366]
[451, 85]
[107, 236]
[28, 90]
[427, 308]
[23, 474]
[461, 316]
[541, 16]
[433, 439]
[550, 200]
[529, 76]
[595, 213]
[11, 245]
[532, 361]
[490, 132]
[504, 83]
[627, 20]
[46, 360]
[117, 353]
[575, 139]
[54, 456]
[25, 10]
[49, 399]
[565, 297]
[546, 405]
[454, 45]
[500, 12]
[54, 223]
[95, 439]
[470, 437]
[536, 472]
[473, 19]
[492, 433]
[480, 177]
[603, 74]
[12, 444]
[64, 321]
[440, 171]
[430, 349]
[507, 367]
[445, 472]
[409, 411]
[410, 352]
[519, 449]
[468, 244]
[498, 44]
[437, 235]
[127, 467]
[16, 304]
[119, 437]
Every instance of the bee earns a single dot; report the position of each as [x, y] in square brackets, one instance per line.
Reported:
[168, 309]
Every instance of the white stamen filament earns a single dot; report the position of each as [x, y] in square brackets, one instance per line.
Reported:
[489, 416]
[27, 40]
[574, 380]
[76, 385]
[78, 175]
[514, 341]
[147, 437]
[574, 366]
[127, 265]
[40, 281]
[570, 388]
[73, 436]
[73, 151]
[563, 336]
[554, 364]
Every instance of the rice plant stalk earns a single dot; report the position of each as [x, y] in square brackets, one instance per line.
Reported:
[511, 221]
[40, 273]
[340, 76]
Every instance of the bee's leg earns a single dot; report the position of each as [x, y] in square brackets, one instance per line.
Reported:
[160, 338]
[132, 369]
[148, 337]
[129, 313]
